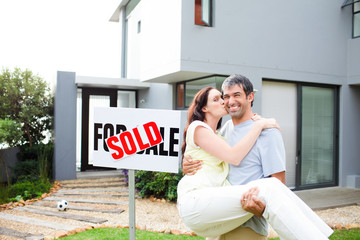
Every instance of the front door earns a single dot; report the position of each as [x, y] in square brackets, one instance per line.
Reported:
[93, 97]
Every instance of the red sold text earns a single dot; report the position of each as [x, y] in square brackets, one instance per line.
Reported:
[122, 142]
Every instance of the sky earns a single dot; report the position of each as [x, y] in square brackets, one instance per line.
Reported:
[46, 36]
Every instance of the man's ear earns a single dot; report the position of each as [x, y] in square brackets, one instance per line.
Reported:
[251, 96]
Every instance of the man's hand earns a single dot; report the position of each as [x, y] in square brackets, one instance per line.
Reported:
[250, 202]
[189, 166]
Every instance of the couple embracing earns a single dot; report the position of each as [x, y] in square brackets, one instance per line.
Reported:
[234, 182]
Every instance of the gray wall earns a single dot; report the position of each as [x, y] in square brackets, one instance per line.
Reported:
[291, 40]
[354, 61]
[65, 127]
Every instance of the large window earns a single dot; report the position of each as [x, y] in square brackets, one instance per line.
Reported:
[185, 91]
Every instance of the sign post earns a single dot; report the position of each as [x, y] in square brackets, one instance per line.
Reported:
[131, 204]
[135, 139]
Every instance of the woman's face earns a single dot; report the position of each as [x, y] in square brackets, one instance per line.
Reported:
[215, 104]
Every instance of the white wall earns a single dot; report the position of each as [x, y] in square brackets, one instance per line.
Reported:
[154, 51]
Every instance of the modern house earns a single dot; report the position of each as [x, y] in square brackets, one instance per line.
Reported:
[303, 58]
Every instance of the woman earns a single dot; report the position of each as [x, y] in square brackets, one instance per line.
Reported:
[206, 201]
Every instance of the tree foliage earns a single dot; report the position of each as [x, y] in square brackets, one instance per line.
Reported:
[26, 100]
[10, 132]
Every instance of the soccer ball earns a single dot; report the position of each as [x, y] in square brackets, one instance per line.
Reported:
[62, 205]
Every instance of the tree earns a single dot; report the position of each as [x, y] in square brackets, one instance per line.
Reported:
[27, 102]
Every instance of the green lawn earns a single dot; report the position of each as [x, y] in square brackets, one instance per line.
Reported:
[123, 234]
[352, 234]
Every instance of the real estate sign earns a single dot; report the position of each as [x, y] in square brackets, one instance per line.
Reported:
[133, 138]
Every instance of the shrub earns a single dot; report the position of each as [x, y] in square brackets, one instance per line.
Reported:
[3, 194]
[26, 189]
[158, 184]
[34, 162]
[45, 156]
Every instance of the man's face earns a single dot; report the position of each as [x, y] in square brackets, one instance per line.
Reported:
[236, 101]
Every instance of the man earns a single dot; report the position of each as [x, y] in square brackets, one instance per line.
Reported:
[266, 158]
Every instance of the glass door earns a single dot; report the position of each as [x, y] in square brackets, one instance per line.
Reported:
[318, 131]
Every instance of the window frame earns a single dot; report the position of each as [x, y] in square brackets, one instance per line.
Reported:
[201, 9]
[353, 19]
[336, 100]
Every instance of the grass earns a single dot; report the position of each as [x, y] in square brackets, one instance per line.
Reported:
[123, 233]
[343, 234]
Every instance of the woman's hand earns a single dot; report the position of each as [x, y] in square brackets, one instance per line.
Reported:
[265, 122]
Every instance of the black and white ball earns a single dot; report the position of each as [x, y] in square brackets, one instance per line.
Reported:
[62, 205]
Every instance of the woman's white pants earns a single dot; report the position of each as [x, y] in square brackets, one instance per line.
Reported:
[214, 211]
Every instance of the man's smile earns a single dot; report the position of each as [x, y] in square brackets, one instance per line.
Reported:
[234, 107]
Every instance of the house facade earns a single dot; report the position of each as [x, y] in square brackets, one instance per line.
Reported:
[303, 58]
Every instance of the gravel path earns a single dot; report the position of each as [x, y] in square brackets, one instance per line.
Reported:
[151, 214]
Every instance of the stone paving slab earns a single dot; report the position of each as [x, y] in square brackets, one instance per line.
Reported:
[38, 222]
[87, 201]
[99, 174]
[79, 208]
[93, 190]
[62, 214]
[93, 186]
[89, 195]
[18, 234]
[100, 180]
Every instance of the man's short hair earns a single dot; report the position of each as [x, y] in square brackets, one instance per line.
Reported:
[241, 81]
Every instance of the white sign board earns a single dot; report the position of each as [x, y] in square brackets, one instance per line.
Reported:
[133, 138]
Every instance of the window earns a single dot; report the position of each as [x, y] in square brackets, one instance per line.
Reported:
[356, 20]
[203, 12]
[185, 91]
[318, 135]
[139, 27]
[356, 16]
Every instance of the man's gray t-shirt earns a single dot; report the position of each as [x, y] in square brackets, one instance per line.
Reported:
[265, 158]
